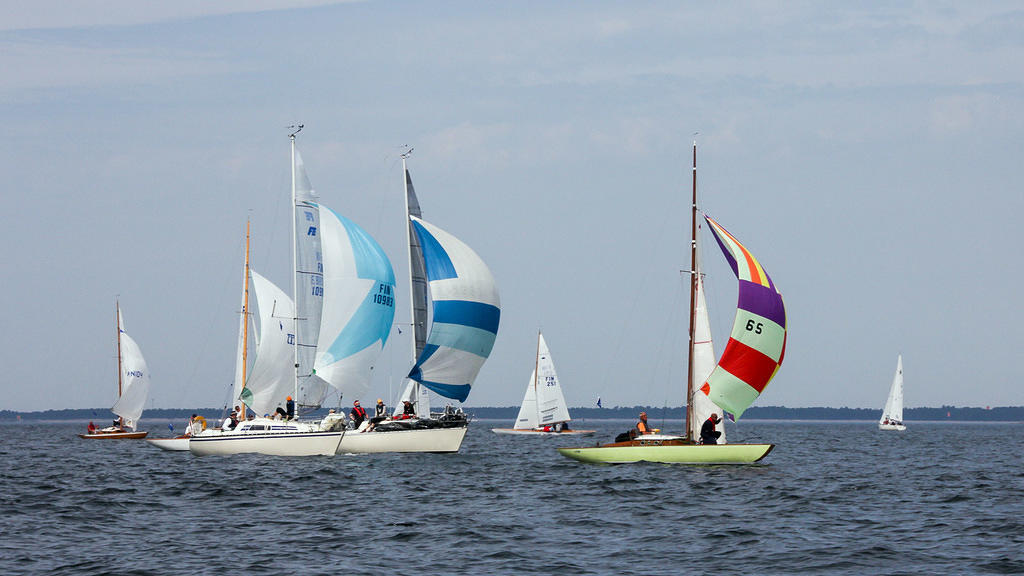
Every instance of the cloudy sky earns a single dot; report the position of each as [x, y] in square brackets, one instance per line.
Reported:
[869, 154]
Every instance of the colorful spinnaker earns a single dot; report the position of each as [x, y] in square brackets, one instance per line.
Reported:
[466, 309]
[757, 344]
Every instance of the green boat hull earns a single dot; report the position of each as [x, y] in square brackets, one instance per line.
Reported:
[670, 453]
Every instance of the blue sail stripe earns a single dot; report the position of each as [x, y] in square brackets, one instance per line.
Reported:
[466, 313]
[456, 392]
[465, 338]
[370, 323]
[435, 258]
[371, 261]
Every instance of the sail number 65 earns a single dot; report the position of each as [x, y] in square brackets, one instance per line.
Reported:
[754, 327]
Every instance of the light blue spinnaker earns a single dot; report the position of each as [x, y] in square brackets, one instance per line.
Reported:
[466, 312]
[358, 304]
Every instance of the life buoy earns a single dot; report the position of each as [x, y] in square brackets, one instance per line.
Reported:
[201, 420]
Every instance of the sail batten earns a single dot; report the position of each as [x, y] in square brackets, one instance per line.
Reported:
[757, 344]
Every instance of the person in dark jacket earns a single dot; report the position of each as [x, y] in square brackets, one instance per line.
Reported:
[289, 407]
[708, 434]
[357, 414]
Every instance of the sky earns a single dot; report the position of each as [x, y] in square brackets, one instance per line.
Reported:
[868, 154]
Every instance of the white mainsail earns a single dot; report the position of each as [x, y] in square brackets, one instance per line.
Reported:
[134, 379]
[271, 378]
[703, 363]
[544, 403]
[893, 412]
[309, 287]
[358, 305]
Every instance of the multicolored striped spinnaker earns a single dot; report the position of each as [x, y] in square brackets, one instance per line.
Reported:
[758, 340]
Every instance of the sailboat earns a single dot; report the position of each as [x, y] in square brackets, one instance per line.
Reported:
[458, 286]
[132, 388]
[327, 339]
[892, 415]
[544, 411]
[751, 359]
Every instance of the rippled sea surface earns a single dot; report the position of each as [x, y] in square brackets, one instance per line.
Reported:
[832, 498]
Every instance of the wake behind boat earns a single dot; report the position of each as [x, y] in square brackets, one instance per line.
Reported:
[750, 360]
[132, 389]
[544, 411]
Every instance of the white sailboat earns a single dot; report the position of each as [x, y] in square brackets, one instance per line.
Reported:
[465, 306]
[892, 415]
[329, 339]
[544, 411]
[751, 358]
[132, 389]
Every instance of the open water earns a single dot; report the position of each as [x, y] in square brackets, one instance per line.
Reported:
[832, 498]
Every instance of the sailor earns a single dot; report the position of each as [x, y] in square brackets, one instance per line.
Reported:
[642, 427]
[289, 408]
[230, 422]
[357, 414]
[708, 434]
[91, 428]
[408, 411]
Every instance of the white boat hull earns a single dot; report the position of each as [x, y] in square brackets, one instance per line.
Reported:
[271, 443]
[527, 432]
[892, 427]
[179, 444]
[417, 440]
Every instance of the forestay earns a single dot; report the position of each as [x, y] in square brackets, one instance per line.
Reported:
[466, 311]
[272, 376]
[358, 304]
[757, 344]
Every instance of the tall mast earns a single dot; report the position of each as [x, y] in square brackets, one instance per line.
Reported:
[694, 278]
[412, 286]
[295, 268]
[120, 368]
[536, 377]
[245, 312]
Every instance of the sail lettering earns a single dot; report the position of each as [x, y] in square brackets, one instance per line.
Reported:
[311, 231]
[309, 215]
[755, 328]
[291, 339]
[383, 296]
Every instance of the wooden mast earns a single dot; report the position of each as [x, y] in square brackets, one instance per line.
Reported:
[694, 278]
[245, 315]
[120, 369]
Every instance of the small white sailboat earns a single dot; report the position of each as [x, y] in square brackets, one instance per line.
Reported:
[132, 389]
[328, 339]
[544, 411]
[751, 359]
[892, 415]
[454, 281]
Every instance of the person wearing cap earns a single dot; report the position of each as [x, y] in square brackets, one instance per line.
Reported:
[708, 434]
[380, 413]
[289, 406]
[357, 414]
[642, 427]
[408, 410]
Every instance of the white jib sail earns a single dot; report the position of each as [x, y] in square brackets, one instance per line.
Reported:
[894, 404]
[134, 383]
[703, 363]
[527, 418]
[271, 379]
[358, 307]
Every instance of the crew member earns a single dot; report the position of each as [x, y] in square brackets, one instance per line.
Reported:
[642, 427]
[708, 434]
[357, 414]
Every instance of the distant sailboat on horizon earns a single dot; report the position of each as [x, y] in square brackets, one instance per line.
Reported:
[892, 414]
[544, 411]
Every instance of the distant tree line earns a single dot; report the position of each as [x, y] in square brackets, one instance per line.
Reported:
[950, 413]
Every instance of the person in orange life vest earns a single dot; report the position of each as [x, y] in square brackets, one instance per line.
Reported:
[642, 427]
[708, 434]
[357, 414]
